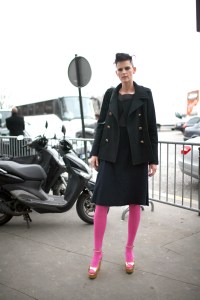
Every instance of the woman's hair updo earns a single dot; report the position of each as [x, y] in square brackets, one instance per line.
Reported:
[122, 57]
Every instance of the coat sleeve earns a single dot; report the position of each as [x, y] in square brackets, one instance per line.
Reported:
[101, 122]
[152, 128]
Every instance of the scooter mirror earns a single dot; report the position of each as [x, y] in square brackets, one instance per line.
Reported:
[63, 129]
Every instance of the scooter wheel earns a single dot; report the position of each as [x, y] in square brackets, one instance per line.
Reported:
[4, 219]
[85, 208]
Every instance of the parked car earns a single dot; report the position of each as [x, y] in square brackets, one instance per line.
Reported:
[179, 126]
[188, 160]
[191, 122]
[180, 120]
[191, 132]
[184, 123]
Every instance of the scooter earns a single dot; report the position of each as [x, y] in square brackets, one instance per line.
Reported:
[62, 150]
[21, 188]
[48, 158]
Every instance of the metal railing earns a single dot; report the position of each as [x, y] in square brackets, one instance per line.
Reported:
[10, 146]
[169, 185]
[177, 181]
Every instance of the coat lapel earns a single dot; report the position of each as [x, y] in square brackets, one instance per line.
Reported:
[140, 97]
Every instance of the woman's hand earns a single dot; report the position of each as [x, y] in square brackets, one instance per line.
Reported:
[94, 162]
[152, 170]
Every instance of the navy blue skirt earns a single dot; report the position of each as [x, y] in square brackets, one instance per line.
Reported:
[121, 183]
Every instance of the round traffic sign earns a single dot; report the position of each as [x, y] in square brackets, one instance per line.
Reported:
[79, 71]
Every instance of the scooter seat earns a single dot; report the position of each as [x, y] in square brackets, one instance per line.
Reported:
[27, 172]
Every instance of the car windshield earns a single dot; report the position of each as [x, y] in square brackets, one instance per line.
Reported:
[71, 108]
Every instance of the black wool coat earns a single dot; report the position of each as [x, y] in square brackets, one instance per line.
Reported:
[15, 125]
[141, 126]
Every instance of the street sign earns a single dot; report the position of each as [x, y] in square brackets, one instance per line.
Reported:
[79, 71]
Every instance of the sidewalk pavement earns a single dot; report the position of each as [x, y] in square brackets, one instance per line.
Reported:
[50, 260]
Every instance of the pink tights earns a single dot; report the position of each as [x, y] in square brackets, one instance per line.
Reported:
[133, 224]
[100, 220]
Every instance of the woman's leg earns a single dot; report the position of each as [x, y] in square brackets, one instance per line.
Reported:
[100, 220]
[133, 224]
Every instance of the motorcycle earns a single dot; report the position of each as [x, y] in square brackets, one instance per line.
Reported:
[24, 187]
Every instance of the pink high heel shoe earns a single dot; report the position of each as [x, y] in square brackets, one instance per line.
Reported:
[93, 271]
[129, 265]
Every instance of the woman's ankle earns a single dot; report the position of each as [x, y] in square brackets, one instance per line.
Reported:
[129, 253]
[97, 257]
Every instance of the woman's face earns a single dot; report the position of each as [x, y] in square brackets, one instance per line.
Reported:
[125, 71]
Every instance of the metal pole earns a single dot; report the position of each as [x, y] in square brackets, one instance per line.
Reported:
[81, 103]
[199, 184]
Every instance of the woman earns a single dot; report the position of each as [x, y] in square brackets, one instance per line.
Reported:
[125, 152]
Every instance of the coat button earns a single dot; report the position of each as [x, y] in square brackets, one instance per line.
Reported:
[110, 113]
[106, 140]
[142, 142]
[108, 126]
[140, 128]
[139, 115]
